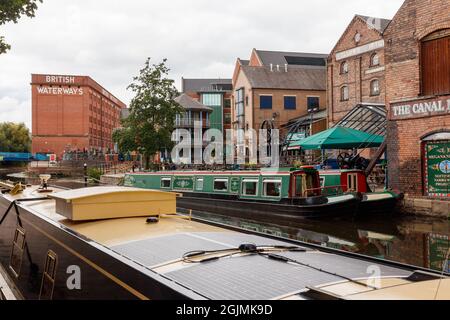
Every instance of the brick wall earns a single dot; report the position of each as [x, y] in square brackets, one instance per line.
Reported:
[72, 112]
[415, 20]
[360, 74]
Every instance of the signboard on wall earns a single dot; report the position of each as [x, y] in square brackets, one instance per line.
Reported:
[437, 168]
[437, 249]
[420, 109]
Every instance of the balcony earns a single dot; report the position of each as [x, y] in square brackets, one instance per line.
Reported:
[191, 123]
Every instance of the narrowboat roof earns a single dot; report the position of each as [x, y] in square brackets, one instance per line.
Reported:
[159, 248]
[264, 171]
[97, 191]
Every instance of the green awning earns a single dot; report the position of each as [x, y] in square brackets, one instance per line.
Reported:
[340, 138]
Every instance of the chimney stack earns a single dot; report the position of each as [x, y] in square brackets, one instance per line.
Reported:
[285, 67]
[271, 67]
[278, 67]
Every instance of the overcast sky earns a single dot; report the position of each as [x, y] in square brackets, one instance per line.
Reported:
[109, 40]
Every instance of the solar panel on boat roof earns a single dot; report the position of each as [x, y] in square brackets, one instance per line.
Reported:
[155, 251]
[345, 266]
[248, 278]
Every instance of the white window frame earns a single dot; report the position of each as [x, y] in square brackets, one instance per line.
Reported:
[221, 180]
[165, 179]
[196, 184]
[249, 180]
[265, 182]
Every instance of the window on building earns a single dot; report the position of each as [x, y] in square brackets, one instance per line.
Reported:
[239, 107]
[290, 102]
[272, 188]
[221, 185]
[265, 102]
[250, 187]
[313, 104]
[344, 93]
[435, 63]
[227, 103]
[227, 118]
[344, 67]
[375, 87]
[374, 60]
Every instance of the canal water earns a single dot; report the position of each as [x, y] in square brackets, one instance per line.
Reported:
[417, 241]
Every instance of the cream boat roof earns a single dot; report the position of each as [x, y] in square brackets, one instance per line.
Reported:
[112, 231]
[96, 191]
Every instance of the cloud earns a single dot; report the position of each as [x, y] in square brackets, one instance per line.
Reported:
[13, 110]
[109, 40]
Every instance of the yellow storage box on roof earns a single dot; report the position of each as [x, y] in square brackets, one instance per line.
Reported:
[99, 203]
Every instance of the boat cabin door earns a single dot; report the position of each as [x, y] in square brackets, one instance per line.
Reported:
[305, 185]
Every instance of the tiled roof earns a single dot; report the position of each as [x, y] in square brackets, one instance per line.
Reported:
[294, 79]
[307, 60]
[190, 104]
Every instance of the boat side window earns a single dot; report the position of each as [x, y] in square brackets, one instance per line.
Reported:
[199, 184]
[352, 182]
[249, 187]
[272, 188]
[18, 248]
[49, 276]
[221, 185]
[166, 183]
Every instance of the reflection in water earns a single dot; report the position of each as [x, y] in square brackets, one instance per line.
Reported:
[416, 241]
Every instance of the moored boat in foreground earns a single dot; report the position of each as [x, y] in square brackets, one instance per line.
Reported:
[126, 243]
[282, 193]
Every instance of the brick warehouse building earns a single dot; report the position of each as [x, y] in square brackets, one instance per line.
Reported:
[72, 113]
[418, 92]
[356, 67]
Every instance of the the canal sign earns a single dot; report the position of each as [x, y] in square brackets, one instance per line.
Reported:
[420, 108]
[437, 167]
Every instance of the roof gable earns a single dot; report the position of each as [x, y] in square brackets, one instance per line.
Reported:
[373, 24]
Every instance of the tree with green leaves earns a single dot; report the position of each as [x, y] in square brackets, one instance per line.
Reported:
[12, 11]
[148, 128]
[14, 137]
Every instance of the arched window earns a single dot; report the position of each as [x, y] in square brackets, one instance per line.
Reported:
[344, 67]
[375, 87]
[435, 64]
[344, 93]
[374, 60]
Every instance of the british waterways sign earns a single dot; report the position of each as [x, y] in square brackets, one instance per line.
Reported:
[437, 164]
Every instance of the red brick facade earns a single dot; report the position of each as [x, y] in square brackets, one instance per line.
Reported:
[411, 119]
[356, 47]
[72, 113]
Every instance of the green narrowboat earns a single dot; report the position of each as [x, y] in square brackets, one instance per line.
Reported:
[356, 181]
[284, 193]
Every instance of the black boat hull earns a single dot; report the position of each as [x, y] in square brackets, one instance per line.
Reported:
[265, 211]
[104, 275]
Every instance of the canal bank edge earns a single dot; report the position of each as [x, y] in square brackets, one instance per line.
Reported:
[425, 207]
